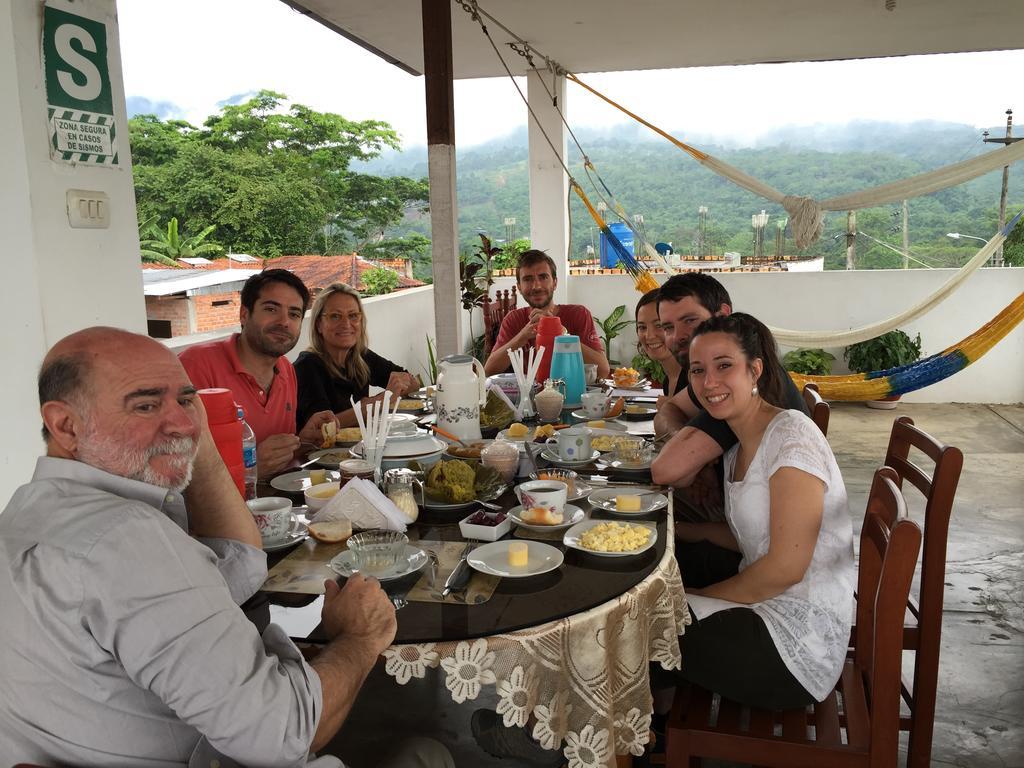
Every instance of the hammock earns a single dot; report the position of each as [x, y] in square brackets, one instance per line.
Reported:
[908, 378]
[805, 212]
[844, 338]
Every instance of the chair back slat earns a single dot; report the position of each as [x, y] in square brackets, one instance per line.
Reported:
[494, 312]
[816, 406]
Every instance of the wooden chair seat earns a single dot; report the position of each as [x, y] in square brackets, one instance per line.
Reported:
[857, 725]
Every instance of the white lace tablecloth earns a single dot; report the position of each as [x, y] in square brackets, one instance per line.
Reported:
[584, 678]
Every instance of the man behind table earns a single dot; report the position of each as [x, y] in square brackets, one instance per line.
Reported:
[122, 643]
[252, 365]
[690, 458]
[536, 280]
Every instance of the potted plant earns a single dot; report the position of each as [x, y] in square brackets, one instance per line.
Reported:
[881, 353]
[610, 327]
[809, 362]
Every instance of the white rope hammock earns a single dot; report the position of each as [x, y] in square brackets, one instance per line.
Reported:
[844, 338]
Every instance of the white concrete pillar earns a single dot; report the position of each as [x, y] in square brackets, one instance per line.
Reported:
[549, 185]
[57, 279]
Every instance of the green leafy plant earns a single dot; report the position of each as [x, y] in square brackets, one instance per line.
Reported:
[431, 369]
[164, 246]
[810, 362]
[379, 280]
[883, 352]
[612, 326]
[508, 256]
[651, 368]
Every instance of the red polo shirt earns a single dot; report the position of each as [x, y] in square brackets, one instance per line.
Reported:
[216, 364]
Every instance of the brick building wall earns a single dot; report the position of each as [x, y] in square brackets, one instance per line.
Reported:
[173, 308]
[216, 310]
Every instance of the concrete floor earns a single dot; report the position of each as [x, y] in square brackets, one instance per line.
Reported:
[981, 688]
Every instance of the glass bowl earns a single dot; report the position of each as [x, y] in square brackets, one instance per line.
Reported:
[376, 551]
[634, 451]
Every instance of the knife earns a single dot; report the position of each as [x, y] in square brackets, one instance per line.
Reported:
[459, 576]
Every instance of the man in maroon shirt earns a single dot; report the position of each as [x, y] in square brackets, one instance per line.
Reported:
[252, 365]
[536, 279]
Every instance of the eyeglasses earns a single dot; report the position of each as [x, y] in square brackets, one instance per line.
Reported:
[354, 318]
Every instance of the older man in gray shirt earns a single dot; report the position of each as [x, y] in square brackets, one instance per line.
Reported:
[121, 640]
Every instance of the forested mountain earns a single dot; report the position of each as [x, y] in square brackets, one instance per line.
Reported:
[650, 177]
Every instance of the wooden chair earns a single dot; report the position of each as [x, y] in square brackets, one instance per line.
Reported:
[922, 631]
[494, 312]
[817, 407]
[865, 702]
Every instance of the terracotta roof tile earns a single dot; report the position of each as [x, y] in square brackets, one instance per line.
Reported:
[320, 271]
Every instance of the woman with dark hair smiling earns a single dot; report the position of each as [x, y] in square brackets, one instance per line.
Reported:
[338, 364]
[650, 340]
[771, 588]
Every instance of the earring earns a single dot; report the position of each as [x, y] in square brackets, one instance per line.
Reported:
[753, 392]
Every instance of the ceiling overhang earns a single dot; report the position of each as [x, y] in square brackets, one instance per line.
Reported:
[622, 35]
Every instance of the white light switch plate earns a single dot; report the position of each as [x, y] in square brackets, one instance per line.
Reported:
[88, 209]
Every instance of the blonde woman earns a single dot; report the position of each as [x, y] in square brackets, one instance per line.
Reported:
[338, 364]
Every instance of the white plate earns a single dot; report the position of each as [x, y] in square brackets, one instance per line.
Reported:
[622, 466]
[604, 499]
[330, 458]
[296, 533]
[648, 412]
[572, 538]
[493, 559]
[570, 517]
[411, 560]
[640, 386]
[609, 424]
[554, 459]
[441, 506]
[296, 482]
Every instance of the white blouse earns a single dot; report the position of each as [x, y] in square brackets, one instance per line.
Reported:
[810, 621]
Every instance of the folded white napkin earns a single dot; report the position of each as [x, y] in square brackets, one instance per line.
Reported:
[362, 502]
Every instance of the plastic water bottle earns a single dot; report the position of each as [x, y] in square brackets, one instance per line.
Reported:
[248, 456]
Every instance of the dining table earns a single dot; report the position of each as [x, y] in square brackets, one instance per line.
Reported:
[567, 652]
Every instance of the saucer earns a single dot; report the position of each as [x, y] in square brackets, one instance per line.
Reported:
[493, 559]
[296, 532]
[414, 558]
[570, 517]
[558, 461]
[623, 466]
[604, 499]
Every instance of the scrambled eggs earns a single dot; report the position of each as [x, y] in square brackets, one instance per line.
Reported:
[615, 537]
[605, 443]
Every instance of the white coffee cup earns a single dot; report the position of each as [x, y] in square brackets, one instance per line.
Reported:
[595, 404]
[545, 494]
[273, 516]
[572, 444]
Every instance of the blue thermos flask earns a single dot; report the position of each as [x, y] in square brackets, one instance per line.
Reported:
[567, 364]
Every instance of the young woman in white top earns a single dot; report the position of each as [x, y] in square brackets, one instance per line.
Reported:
[772, 627]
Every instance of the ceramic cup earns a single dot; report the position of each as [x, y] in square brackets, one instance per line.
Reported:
[595, 404]
[572, 444]
[273, 516]
[590, 373]
[543, 494]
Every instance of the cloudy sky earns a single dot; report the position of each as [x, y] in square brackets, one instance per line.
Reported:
[208, 52]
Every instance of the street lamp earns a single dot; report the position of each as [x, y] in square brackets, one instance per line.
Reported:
[957, 236]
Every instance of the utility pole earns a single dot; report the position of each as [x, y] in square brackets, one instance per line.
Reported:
[851, 238]
[906, 238]
[997, 257]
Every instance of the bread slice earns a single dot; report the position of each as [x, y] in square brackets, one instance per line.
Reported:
[329, 432]
[540, 516]
[332, 532]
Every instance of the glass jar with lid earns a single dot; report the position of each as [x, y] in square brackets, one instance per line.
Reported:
[400, 485]
[502, 456]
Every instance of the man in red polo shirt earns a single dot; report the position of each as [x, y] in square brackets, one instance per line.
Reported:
[252, 365]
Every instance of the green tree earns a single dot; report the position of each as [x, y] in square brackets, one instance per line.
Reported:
[166, 245]
[272, 178]
[379, 280]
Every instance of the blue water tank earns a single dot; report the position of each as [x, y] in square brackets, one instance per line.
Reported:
[609, 258]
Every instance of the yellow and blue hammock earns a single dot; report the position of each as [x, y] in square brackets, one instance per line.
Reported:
[908, 378]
